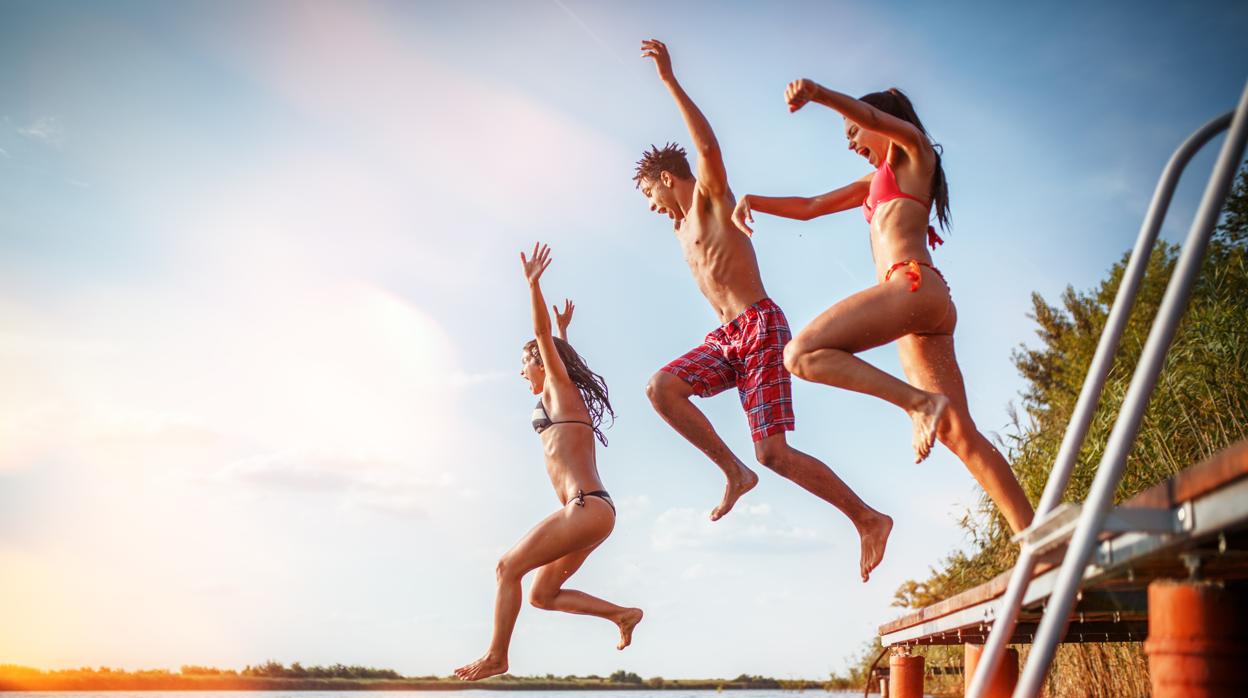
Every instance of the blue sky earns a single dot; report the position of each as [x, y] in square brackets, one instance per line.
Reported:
[260, 307]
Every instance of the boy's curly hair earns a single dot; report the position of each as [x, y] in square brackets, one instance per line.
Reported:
[670, 158]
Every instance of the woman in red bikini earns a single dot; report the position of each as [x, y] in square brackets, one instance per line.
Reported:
[910, 304]
[568, 416]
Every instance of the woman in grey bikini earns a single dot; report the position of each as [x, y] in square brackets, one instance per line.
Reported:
[568, 418]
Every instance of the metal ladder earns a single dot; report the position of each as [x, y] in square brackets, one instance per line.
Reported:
[1082, 525]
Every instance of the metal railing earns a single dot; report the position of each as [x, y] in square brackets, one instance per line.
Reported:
[1099, 501]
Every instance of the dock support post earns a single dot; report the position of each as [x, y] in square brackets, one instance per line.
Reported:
[1197, 640]
[905, 676]
[1002, 684]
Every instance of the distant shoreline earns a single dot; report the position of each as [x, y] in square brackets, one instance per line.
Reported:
[173, 682]
[275, 676]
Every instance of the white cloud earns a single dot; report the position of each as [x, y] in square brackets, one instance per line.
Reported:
[179, 418]
[410, 506]
[361, 482]
[693, 572]
[632, 507]
[291, 473]
[284, 361]
[782, 598]
[46, 129]
[747, 528]
[461, 380]
[481, 148]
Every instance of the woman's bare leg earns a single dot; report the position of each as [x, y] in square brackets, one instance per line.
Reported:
[570, 529]
[548, 593]
[823, 352]
[930, 363]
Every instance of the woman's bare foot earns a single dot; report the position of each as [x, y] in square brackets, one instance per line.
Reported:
[627, 622]
[874, 536]
[744, 482]
[483, 668]
[927, 418]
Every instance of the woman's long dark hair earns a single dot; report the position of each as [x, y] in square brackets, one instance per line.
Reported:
[895, 102]
[592, 386]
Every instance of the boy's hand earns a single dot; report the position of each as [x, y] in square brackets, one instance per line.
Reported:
[653, 48]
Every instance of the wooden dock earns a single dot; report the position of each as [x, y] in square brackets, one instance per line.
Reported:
[1199, 531]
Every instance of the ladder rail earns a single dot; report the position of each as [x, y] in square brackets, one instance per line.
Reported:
[1126, 427]
[1090, 395]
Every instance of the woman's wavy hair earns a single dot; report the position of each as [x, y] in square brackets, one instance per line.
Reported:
[894, 101]
[592, 386]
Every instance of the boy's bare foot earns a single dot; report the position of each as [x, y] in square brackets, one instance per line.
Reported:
[629, 621]
[927, 419]
[874, 539]
[745, 481]
[483, 668]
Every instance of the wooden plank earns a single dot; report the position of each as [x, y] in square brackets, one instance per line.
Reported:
[976, 595]
[1221, 469]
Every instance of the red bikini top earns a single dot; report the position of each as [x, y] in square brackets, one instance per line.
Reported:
[883, 189]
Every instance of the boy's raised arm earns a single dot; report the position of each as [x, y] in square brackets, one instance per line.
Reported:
[712, 176]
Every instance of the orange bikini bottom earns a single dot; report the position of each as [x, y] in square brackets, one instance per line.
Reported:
[912, 271]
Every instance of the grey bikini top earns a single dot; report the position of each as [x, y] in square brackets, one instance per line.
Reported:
[542, 420]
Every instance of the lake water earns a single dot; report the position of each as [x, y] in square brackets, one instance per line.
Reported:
[761, 693]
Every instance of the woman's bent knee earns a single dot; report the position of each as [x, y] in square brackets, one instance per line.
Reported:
[795, 359]
[955, 440]
[507, 569]
[543, 598]
[958, 433]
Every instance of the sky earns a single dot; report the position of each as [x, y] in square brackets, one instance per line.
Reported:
[261, 308]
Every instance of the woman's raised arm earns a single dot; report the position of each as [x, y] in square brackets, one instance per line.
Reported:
[533, 269]
[902, 132]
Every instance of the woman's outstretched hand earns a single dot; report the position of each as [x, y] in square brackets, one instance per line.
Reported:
[533, 267]
[742, 213]
[799, 92]
[562, 320]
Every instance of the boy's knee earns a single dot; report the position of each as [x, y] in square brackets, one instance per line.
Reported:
[663, 388]
[772, 453]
